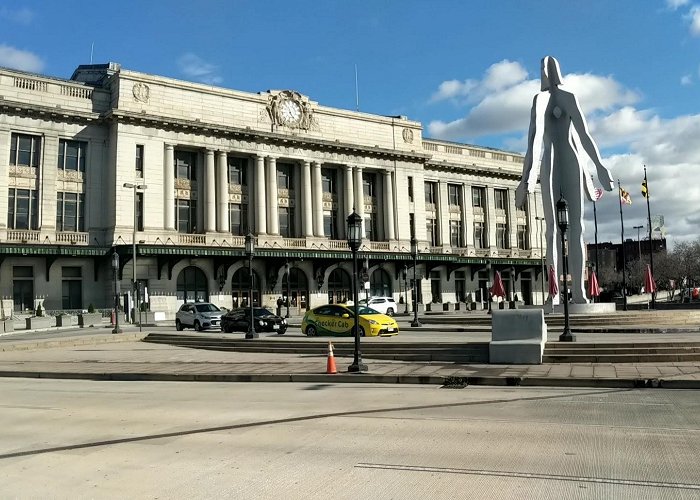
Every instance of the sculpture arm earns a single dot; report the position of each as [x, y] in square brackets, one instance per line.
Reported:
[586, 141]
[535, 138]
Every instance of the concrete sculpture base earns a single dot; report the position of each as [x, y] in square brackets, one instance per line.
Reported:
[517, 336]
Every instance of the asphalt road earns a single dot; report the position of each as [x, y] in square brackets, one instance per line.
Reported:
[88, 439]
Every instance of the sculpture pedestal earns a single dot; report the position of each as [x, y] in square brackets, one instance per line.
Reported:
[597, 308]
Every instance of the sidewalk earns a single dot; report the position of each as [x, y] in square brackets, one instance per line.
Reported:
[103, 356]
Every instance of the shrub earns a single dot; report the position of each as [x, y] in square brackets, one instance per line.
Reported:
[39, 311]
[91, 309]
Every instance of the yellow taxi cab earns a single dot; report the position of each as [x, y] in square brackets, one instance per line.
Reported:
[339, 319]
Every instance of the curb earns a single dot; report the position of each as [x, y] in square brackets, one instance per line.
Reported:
[26, 345]
[451, 382]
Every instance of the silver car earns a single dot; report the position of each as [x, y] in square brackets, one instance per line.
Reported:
[200, 316]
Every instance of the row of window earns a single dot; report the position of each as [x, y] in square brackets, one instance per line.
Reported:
[454, 195]
[23, 210]
[25, 150]
[456, 240]
[23, 287]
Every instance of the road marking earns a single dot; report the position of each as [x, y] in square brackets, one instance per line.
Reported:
[527, 475]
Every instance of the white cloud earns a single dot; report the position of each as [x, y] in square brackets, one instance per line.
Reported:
[21, 16]
[686, 80]
[196, 68]
[497, 77]
[11, 57]
[694, 18]
[674, 4]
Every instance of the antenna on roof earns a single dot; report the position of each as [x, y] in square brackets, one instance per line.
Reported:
[92, 48]
[357, 92]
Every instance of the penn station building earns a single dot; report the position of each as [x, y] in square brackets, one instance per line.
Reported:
[172, 176]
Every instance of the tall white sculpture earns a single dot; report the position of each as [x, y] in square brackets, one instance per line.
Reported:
[559, 136]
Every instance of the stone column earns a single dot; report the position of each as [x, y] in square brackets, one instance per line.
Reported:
[443, 214]
[260, 207]
[467, 218]
[222, 192]
[389, 205]
[318, 200]
[273, 218]
[169, 188]
[511, 217]
[490, 218]
[360, 198]
[209, 192]
[307, 201]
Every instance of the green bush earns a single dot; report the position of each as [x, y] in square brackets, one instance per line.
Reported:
[91, 309]
[39, 311]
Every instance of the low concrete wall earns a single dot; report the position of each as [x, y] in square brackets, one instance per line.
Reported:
[517, 336]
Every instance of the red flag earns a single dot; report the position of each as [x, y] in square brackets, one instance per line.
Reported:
[649, 283]
[598, 193]
[593, 287]
[553, 285]
[498, 290]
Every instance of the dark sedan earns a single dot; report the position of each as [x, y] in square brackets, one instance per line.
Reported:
[238, 320]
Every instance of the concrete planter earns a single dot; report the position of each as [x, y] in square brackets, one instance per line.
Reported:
[6, 325]
[66, 320]
[37, 322]
[146, 318]
[448, 306]
[89, 319]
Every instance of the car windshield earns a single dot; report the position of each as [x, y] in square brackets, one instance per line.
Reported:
[363, 310]
[205, 308]
[261, 311]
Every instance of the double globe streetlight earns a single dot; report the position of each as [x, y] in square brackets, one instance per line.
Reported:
[137, 188]
[250, 252]
[354, 241]
[414, 252]
[563, 222]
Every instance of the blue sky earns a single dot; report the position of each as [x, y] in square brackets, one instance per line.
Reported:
[466, 69]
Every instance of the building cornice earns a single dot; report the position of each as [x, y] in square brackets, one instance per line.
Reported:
[56, 113]
[473, 169]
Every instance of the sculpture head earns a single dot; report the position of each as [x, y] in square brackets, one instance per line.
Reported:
[550, 73]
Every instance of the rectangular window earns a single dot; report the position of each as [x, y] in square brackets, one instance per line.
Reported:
[330, 226]
[237, 171]
[284, 176]
[139, 211]
[22, 209]
[502, 235]
[410, 189]
[238, 218]
[139, 160]
[500, 199]
[70, 212]
[479, 235]
[371, 226]
[522, 237]
[454, 193]
[286, 216]
[430, 192]
[478, 195]
[186, 165]
[186, 216]
[369, 185]
[461, 286]
[328, 181]
[71, 155]
[412, 225]
[455, 233]
[25, 150]
[23, 288]
[431, 231]
[72, 288]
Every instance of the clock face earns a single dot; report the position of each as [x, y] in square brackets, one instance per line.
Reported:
[290, 112]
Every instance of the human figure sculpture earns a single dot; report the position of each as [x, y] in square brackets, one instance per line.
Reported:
[559, 136]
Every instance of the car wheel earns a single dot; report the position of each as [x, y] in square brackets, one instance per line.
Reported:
[281, 332]
[390, 312]
[310, 331]
[362, 332]
[228, 329]
[178, 325]
[197, 326]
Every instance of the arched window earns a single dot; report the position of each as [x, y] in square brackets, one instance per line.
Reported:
[380, 284]
[192, 285]
[339, 287]
[240, 287]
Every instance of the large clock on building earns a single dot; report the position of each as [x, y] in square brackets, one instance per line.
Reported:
[290, 112]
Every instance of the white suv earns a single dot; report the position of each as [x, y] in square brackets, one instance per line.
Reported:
[199, 316]
[384, 305]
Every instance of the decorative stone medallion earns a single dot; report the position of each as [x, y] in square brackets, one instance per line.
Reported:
[407, 135]
[141, 92]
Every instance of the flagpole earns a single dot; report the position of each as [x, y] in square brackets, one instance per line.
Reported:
[651, 245]
[624, 266]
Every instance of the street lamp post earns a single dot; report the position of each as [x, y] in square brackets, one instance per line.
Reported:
[135, 288]
[354, 241]
[541, 220]
[639, 242]
[405, 286]
[563, 222]
[488, 284]
[115, 270]
[250, 252]
[287, 298]
[414, 251]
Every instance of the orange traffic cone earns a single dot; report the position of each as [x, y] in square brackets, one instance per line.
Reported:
[330, 364]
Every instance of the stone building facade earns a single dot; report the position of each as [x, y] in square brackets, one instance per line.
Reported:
[204, 166]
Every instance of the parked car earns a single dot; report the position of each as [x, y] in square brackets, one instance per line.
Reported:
[338, 319]
[238, 320]
[385, 305]
[200, 316]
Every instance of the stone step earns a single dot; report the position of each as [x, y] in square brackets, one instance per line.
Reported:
[621, 358]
